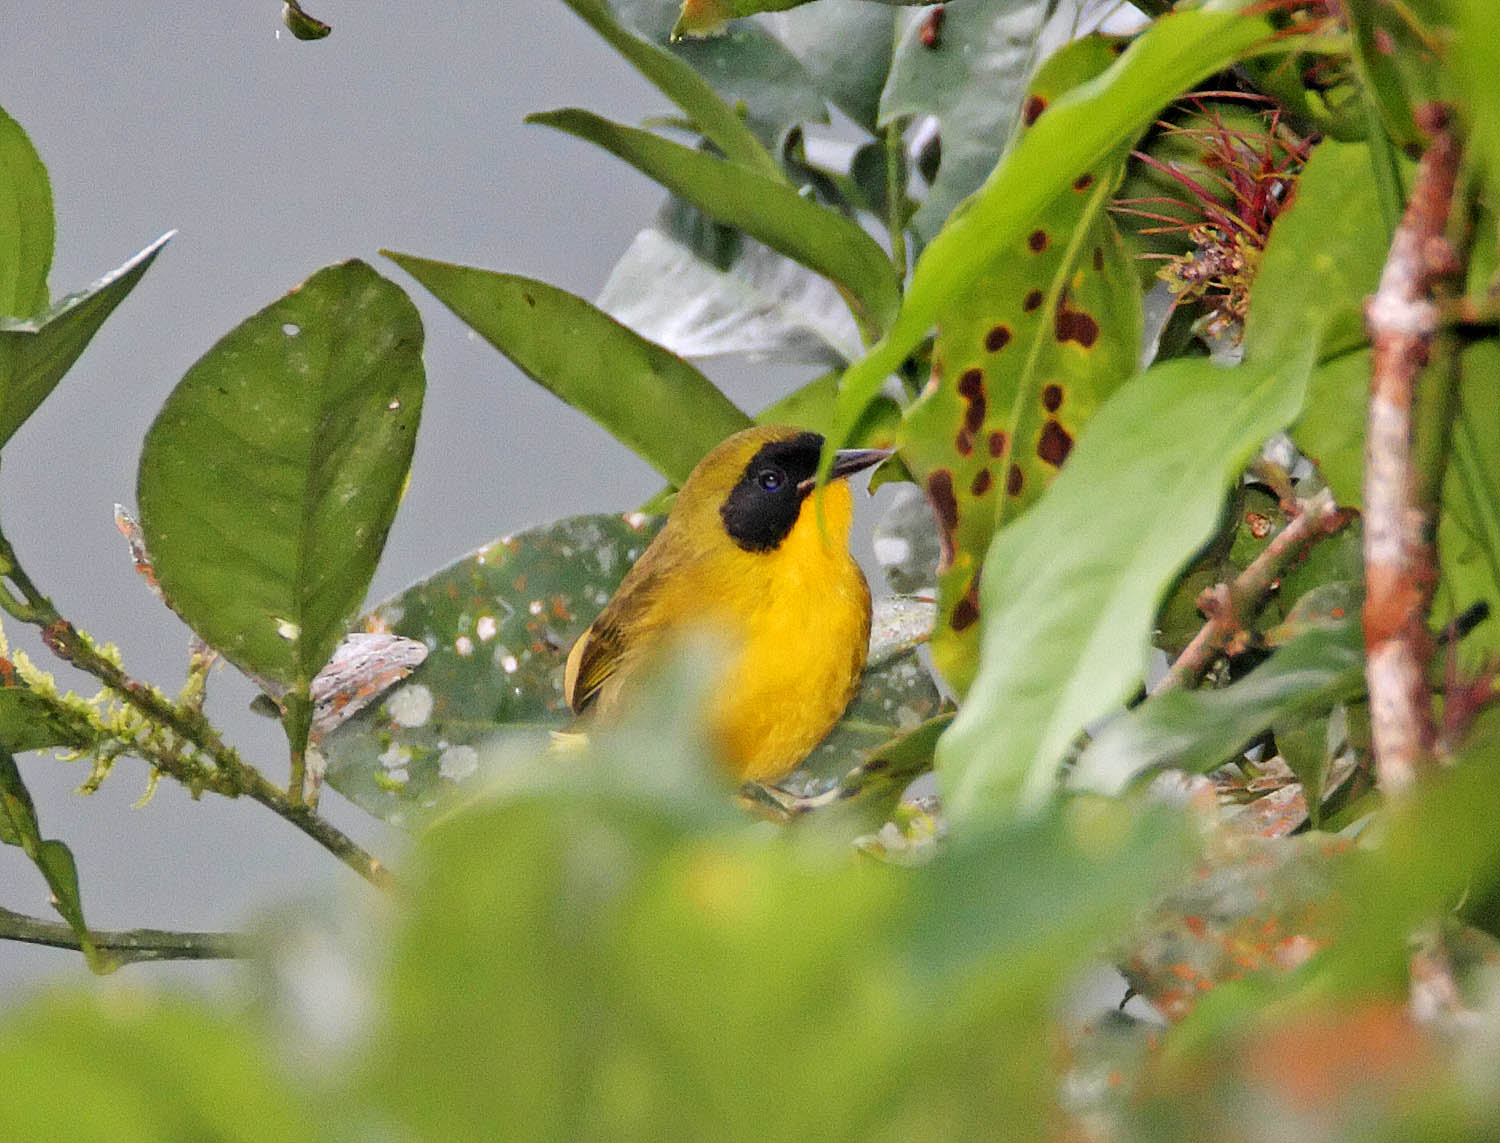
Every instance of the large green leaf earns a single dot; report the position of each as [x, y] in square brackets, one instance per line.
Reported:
[1023, 358]
[499, 624]
[18, 826]
[270, 477]
[972, 76]
[26, 225]
[763, 208]
[35, 353]
[1075, 135]
[679, 82]
[655, 403]
[1196, 730]
[1071, 589]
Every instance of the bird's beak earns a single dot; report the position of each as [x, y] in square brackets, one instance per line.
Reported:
[846, 462]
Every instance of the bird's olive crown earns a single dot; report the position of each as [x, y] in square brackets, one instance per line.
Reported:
[764, 504]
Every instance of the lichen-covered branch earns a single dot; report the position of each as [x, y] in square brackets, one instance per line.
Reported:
[1228, 606]
[124, 946]
[1400, 569]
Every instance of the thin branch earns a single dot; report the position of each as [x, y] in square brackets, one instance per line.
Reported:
[230, 775]
[123, 946]
[1400, 569]
[1229, 605]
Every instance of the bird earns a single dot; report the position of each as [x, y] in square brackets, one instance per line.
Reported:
[749, 555]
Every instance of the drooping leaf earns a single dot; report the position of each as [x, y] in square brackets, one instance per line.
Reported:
[750, 69]
[1071, 589]
[652, 401]
[26, 224]
[970, 68]
[271, 475]
[765, 209]
[762, 303]
[18, 826]
[679, 82]
[1079, 132]
[1023, 358]
[36, 352]
[499, 624]
[1196, 730]
[846, 46]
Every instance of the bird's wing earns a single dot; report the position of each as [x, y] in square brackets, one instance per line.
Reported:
[591, 661]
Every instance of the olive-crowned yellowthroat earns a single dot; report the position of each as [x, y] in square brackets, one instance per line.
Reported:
[745, 556]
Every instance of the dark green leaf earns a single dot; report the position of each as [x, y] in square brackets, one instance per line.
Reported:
[18, 826]
[1074, 135]
[655, 403]
[972, 76]
[1071, 588]
[846, 46]
[270, 477]
[1198, 730]
[765, 209]
[26, 226]
[677, 80]
[34, 354]
[30, 722]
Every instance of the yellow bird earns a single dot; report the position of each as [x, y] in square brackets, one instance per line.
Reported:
[743, 556]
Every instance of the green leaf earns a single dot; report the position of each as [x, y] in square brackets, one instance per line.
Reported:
[35, 353]
[141, 1066]
[499, 623]
[1071, 589]
[1322, 261]
[973, 77]
[652, 401]
[677, 80]
[270, 477]
[768, 210]
[301, 24]
[1023, 359]
[846, 46]
[1074, 135]
[18, 826]
[1477, 62]
[26, 225]
[1331, 429]
[1198, 730]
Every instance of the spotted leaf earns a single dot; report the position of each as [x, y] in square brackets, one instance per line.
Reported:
[1023, 358]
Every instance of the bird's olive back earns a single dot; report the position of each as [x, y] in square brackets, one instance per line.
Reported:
[762, 507]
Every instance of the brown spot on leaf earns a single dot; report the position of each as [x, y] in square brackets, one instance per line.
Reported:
[1032, 300]
[1037, 240]
[1055, 444]
[1032, 109]
[966, 610]
[1075, 325]
[1052, 397]
[971, 388]
[997, 443]
[1098, 258]
[998, 338]
[982, 482]
[940, 492]
[1015, 480]
[1083, 182]
[964, 442]
[970, 384]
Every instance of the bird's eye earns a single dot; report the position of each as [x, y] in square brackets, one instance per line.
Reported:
[770, 479]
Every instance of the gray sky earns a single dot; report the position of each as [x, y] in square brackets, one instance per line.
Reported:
[273, 158]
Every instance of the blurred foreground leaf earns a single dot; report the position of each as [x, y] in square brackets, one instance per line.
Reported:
[37, 351]
[271, 475]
